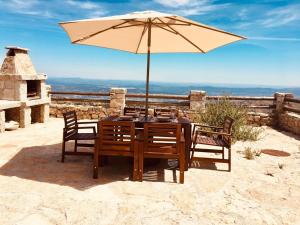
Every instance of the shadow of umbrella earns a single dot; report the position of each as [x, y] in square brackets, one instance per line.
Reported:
[42, 164]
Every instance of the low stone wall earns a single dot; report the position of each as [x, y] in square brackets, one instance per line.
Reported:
[263, 111]
[261, 119]
[82, 111]
[290, 122]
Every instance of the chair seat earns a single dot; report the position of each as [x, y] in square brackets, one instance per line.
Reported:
[116, 148]
[82, 136]
[204, 140]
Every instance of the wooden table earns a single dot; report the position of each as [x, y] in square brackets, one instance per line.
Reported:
[185, 124]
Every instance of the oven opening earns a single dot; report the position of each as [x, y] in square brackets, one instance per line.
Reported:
[33, 89]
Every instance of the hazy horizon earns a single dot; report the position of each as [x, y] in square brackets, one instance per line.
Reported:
[241, 85]
[101, 85]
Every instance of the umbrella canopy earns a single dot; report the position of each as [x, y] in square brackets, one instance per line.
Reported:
[148, 32]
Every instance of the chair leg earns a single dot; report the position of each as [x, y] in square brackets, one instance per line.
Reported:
[141, 163]
[229, 159]
[96, 160]
[181, 165]
[63, 151]
[222, 152]
[75, 146]
[135, 161]
[192, 156]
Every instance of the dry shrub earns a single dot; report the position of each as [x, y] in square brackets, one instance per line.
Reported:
[248, 153]
[216, 112]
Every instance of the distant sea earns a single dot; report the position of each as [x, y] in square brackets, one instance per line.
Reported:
[95, 85]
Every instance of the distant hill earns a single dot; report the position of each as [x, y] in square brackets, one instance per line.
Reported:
[95, 85]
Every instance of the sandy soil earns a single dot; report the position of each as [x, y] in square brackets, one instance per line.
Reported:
[35, 188]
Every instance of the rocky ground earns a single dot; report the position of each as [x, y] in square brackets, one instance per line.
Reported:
[35, 188]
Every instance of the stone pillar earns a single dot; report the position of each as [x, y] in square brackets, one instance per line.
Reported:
[197, 100]
[2, 121]
[117, 101]
[25, 116]
[21, 91]
[279, 104]
[44, 113]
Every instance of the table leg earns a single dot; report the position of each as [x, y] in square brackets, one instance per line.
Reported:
[187, 136]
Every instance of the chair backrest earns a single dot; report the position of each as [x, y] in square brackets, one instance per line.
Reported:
[129, 110]
[116, 135]
[163, 112]
[71, 125]
[227, 127]
[162, 138]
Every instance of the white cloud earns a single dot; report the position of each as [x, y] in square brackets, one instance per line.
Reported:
[190, 7]
[83, 5]
[282, 16]
[54, 9]
[175, 3]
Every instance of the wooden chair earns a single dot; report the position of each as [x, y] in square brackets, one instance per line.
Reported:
[163, 112]
[129, 111]
[70, 133]
[213, 136]
[117, 138]
[162, 140]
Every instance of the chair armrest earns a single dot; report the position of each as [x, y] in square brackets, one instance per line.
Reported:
[213, 132]
[94, 128]
[208, 126]
[87, 122]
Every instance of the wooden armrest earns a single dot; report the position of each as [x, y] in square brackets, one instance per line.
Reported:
[94, 128]
[208, 126]
[213, 132]
[87, 122]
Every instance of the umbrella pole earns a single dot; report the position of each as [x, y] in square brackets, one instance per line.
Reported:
[148, 67]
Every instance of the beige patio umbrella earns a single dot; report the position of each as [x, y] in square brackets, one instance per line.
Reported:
[148, 32]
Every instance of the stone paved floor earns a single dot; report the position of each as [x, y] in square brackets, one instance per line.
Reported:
[35, 188]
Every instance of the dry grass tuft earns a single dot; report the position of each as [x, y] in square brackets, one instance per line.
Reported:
[257, 153]
[280, 165]
[249, 153]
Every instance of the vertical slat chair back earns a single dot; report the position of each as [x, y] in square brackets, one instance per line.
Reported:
[116, 135]
[162, 138]
[71, 125]
[162, 112]
[227, 127]
[129, 110]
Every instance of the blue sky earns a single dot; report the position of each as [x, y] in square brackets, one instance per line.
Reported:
[270, 56]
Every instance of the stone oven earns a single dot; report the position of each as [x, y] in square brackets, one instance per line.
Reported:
[23, 92]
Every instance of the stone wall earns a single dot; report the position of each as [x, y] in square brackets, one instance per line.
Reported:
[261, 119]
[82, 111]
[290, 122]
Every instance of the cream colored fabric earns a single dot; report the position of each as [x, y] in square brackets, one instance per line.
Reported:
[129, 32]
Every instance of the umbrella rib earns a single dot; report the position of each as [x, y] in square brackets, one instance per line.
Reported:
[156, 24]
[143, 32]
[132, 25]
[98, 32]
[209, 28]
[181, 35]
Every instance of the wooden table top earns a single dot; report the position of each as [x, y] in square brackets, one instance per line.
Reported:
[150, 119]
